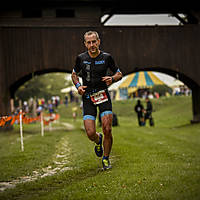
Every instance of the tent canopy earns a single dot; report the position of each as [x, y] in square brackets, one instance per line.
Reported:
[137, 81]
[141, 80]
[68, 89]
[115, 86]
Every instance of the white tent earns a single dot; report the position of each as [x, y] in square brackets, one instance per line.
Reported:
[116, 85]
[175, 83]
[114, 89]
[68, 89]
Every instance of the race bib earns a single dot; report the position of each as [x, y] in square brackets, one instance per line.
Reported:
[99, 97]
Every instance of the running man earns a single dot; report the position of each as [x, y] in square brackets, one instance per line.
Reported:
[93, 66]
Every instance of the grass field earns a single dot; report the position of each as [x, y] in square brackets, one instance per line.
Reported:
[161, 162]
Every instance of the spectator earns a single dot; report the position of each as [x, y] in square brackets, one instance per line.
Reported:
[25, 107]
[148, 112]
[39, 110]
[139, 110]
[66, 100]
[71, 96]
[74, 112]
[50, 107]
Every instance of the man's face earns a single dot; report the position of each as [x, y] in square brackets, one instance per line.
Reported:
[92, 43]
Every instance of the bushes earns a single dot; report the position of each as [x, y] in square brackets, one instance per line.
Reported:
[161, 89]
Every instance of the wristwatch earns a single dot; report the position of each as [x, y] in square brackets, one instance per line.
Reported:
[113, 80]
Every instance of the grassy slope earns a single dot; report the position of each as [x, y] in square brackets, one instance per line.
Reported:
[160, 162]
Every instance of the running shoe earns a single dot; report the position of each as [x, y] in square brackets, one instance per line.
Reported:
[106, 164]
[98, 147]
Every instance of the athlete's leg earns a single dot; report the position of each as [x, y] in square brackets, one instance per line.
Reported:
[93, 135]
[90, 128]
[106, 119]
[107, 130]
[89, 118]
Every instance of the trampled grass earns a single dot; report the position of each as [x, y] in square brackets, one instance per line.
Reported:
[160, 162]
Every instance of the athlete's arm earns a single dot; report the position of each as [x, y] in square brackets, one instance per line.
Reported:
[75, 80]
[116, 77]
[111, 79]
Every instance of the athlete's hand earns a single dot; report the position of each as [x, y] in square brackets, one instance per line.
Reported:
[81, 89]
[107, 79]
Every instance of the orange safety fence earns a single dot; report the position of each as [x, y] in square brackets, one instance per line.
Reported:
[10, 120]
[52, 117]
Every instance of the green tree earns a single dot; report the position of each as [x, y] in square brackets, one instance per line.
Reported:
[161, 89]
[43, 86]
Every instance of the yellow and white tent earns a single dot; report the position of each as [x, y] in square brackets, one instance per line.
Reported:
[139, 80]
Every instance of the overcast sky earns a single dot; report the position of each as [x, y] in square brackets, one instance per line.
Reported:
[161, 19]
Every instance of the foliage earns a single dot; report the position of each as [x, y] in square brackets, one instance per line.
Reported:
[43, 86]
[161, 89]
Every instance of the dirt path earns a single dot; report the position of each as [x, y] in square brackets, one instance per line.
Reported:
[60, 163]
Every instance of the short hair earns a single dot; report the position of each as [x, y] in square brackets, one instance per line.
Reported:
[90, 33]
